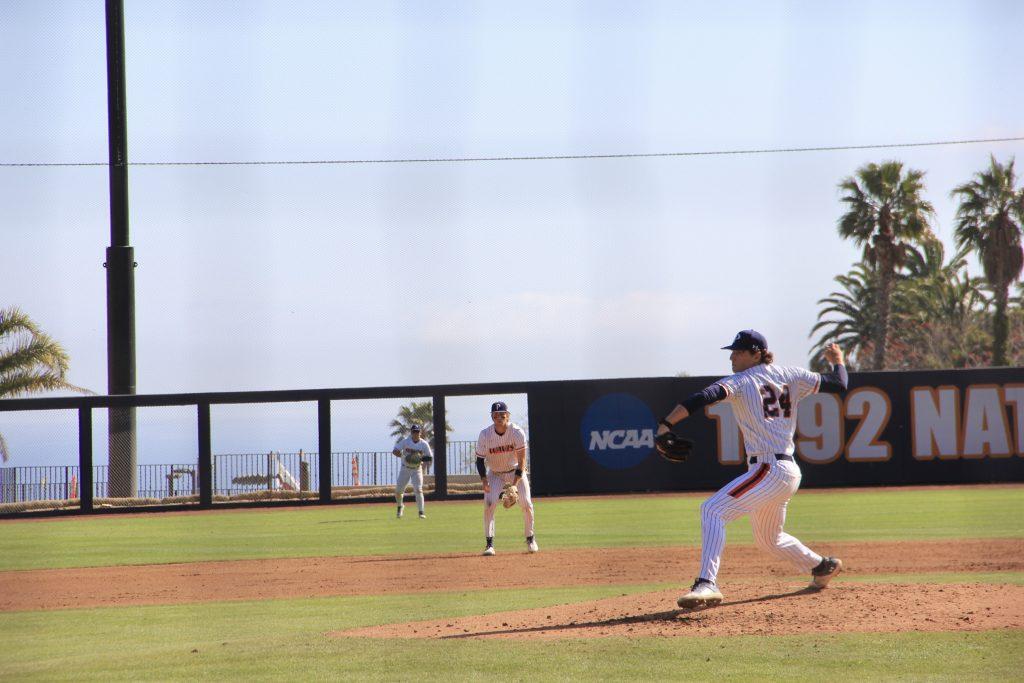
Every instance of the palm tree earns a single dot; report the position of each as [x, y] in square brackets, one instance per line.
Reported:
[885, 214]
[856, 308]
[989, 221]
[939, 311]
[416, 413]
[30, 361]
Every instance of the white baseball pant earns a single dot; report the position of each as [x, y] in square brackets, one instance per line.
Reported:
[763, 493]
[404, 475]
[496, 480]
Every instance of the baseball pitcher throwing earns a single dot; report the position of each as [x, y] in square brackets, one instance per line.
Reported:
[501, 462]
[414, 452]
[764, 399]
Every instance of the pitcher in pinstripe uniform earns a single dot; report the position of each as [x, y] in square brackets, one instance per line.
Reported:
[764, 400]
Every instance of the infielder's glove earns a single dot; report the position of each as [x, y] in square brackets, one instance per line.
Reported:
[509, 495]
[673, 447]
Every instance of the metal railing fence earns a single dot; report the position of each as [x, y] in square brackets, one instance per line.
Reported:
[62, 482]
[233, 474]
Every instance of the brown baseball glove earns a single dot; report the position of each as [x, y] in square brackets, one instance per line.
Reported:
[509, 495]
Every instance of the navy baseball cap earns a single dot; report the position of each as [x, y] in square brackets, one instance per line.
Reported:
[499, 407]
[416, 428]
[748, 340]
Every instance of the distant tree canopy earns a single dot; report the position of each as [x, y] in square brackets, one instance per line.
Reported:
[31, 361]
[989, 222]
[416, 413]
[886, 214]
[904, 306]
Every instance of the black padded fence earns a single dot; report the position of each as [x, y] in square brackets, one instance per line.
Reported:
[585, 436]
[230, 478]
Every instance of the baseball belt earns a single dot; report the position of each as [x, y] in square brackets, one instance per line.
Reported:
[504, 475]
[754, 459]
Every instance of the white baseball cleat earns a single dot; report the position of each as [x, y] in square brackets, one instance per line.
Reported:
[823, 573]
[703, 594]
[423, 515]
[400, 509]
[531, 545]
[489, 550]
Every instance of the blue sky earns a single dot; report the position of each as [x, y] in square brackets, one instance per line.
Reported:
[273, 277]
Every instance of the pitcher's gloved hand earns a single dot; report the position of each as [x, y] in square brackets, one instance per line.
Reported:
[673, 447]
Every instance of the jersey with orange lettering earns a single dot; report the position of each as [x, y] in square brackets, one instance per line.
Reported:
[499, 450]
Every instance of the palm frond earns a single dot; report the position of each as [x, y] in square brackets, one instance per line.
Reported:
[13, 320]
[30, 360]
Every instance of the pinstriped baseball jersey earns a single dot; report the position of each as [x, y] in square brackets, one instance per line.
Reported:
[499, 450]
[764, 400]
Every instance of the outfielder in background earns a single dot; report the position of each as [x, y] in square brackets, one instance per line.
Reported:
[501, 462]
[414, 452]
[764, 399]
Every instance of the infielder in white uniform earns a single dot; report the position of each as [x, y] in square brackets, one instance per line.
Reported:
[413, 451]
[501, 459]
[764, 400]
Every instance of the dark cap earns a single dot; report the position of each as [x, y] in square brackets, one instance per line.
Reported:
[499, 407]
[415, 428]
[748, 340]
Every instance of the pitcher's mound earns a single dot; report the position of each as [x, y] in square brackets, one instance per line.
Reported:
[750, 608]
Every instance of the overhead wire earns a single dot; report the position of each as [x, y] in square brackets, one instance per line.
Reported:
[548, 157]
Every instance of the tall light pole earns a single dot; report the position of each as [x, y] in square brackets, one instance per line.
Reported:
[120, 265]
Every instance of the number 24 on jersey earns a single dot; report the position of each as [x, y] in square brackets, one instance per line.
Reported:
[773, 401]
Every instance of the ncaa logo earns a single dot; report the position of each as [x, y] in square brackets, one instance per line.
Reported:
[618, 431]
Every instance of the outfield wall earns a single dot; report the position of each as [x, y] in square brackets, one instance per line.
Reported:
[956, 426]
[597, 436]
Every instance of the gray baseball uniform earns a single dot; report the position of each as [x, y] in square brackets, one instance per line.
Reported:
[412, 453]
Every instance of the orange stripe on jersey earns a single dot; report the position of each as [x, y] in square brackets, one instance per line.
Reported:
[761, 473]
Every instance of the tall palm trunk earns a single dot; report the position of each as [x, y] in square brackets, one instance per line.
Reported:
[885, 285]
[1002, 264]
[884, 251]
[1000, 328]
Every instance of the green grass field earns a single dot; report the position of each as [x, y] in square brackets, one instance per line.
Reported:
[285, 639]
[868, 515]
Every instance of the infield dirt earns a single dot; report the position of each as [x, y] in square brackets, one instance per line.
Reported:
[762, 594]
[751, 607]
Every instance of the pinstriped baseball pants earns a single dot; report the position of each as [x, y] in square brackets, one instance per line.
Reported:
[763, 493]
[497, 480]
